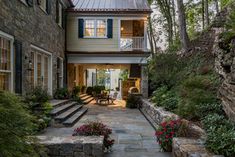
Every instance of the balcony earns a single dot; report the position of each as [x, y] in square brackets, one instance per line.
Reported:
[133, 35]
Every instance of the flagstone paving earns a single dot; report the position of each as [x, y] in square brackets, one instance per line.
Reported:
[134, 136]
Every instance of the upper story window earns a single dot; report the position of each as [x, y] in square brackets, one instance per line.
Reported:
[95, 28]
[43, 4]
[60, 14]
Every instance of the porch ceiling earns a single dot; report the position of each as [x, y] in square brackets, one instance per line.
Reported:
[106, 59]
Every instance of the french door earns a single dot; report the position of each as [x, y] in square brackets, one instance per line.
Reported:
[40, 72]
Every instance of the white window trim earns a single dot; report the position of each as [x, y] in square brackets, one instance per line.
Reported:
[50, 70]
[95, 28]
[60, 22]
[11, 38]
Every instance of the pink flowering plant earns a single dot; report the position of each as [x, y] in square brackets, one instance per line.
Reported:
[96, 129]
[165, 133]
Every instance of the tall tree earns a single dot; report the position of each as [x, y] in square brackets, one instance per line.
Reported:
[182, 25]
[203, 14]
[216, 6]
[206, 8]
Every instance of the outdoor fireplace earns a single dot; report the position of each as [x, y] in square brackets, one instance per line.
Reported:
[133, 90]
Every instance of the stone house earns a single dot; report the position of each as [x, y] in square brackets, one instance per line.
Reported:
[56, 43]
[32, 44]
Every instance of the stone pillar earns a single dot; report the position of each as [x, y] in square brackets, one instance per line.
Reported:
[144, 81]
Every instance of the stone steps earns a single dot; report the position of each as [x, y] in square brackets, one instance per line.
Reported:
[66, 112]
[72, 120]
[57, 103]
[58, 110]
[65, 115]
[86, 99]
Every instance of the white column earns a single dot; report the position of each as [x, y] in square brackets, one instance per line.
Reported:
[145, 35]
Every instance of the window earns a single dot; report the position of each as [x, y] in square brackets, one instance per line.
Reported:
[40, 69]
[60, 14]
[43, 5]
[5, 63]
[95, 28]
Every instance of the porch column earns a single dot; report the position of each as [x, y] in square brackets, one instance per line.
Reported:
[144, 81]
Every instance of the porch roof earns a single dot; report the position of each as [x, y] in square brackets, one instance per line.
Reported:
[117, 6]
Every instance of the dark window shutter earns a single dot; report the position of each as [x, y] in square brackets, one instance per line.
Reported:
[63, 18]
[110, 28]
[58, 74]
[18, 67]
[80, 28]
[48, 9]
[57, 11]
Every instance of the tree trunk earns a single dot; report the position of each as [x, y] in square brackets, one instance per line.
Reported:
[150, 36]
[203, 15]
[173, 19]
[182, 25]
[216, 6]
[207, 13]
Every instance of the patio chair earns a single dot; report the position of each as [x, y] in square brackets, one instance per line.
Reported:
[114, 97]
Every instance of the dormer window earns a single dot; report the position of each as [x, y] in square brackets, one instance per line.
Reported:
[95, 28]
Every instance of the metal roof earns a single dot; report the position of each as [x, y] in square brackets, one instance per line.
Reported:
[110, 6]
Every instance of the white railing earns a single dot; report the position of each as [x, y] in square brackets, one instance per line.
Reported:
[132, 43]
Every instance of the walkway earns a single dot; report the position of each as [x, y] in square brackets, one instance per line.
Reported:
[134, 136]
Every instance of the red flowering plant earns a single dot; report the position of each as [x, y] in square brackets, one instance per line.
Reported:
[96, 129]
[165, 133]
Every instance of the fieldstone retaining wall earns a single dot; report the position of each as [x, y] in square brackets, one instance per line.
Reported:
[73, 146]
[186, 147]
[156, 115]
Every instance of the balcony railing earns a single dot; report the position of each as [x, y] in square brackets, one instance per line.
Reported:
[132, 43]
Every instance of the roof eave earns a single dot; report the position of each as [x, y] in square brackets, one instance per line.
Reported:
[109, 11]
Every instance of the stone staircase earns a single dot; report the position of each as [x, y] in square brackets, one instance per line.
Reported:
[67, 112]
[86, 99]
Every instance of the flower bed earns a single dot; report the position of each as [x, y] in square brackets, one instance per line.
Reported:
[96, 129]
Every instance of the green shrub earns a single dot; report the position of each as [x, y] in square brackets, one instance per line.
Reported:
[195, 92]
[215, 121]
[98, 89]
[77, 99]
[16, 127]
[76, 91]
[221, 141]
[37, 95]
[83, 89]
[62, 93]
[132, 101]
[206, 109]
[166, 69]
[165, 98]
[89, 90]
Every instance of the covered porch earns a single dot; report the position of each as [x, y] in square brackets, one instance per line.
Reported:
[115, 74]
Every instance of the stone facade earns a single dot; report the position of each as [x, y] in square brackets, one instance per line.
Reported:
[73, 146]
[33, 26]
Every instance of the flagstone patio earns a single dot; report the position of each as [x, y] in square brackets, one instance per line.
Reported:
[134, 136]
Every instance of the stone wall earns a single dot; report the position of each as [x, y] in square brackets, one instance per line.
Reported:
[225, 65]
[156, 115]
[32, 25]
[73, 146]
[189, 147]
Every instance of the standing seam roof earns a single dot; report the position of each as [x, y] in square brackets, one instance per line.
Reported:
[110, 5]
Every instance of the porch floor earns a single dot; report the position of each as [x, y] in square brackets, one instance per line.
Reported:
[134, 136]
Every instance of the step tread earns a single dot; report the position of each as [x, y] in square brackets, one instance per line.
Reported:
[56, 102]
[61, 108]
[82, 95]
[68, 112]
[85, 97]
[75, 117]
[88, 100]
